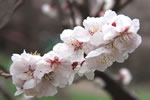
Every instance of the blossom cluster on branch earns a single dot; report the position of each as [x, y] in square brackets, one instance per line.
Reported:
[102, 41]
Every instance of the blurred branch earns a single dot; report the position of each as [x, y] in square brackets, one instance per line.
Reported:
[116, 90]
[100, 9]
[7, 9]
[125, 4]
[18, 4]
[71, 12]
[4, 73]
[84, 9]
[118, 6]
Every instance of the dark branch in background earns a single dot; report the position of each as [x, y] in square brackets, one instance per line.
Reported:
[18, 4]
[71, 13]
[83, 9]
[100, 9]
[8, 7]
[118, 6]
[116, 90]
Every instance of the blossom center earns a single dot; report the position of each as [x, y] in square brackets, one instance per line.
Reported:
[48, 76]
[29, 72]
[77, 44]
[114, 24]
[104, 60]
[74, 65]
[54, 63]
[95, 29]
[125, 31]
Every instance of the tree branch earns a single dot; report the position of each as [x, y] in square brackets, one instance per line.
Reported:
[116, 90]
[71, 12]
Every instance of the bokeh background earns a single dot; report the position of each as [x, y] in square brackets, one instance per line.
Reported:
[32, 28]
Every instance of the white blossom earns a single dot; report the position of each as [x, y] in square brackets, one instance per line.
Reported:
[98, 59]
[49, 10]
[75, 41]
[61, 68]
[22, 70]
[125, 76]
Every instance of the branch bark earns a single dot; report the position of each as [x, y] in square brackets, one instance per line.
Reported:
[116, 90]
[7, 9]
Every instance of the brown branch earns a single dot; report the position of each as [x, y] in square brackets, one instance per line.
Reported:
[18, 4]
[83, 9]
[7, 9]
[125, 4]
[118, 6]
[71, 12]
[100, 9]
[116, 90]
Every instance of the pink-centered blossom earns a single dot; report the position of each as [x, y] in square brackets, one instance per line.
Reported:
[22, 70]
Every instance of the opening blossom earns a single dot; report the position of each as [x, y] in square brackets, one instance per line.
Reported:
[102, 41]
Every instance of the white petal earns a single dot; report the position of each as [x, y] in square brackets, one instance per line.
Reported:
[63, 50]
[66, 35]
[81, 34]
[29, 84]
[97, 52]
[18, 92]
[90, 75]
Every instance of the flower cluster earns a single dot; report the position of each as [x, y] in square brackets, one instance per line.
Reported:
[102, 41]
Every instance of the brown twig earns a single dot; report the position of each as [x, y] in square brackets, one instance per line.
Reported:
[4, 74]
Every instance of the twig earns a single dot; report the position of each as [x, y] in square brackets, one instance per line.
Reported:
[4, 74]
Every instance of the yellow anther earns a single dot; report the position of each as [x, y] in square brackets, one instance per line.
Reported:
[48, 76]
[35, 53]
[28, 73]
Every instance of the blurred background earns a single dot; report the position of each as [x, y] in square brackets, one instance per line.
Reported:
[35, 25]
